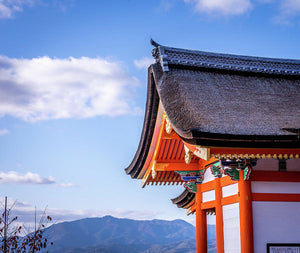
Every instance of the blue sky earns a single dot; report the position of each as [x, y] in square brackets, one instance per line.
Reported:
[73, 90]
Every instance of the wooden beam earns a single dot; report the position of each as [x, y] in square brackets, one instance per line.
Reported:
[208, 204]
[176, 166]
[278, 197]
[246, 220]
[201, 225]
[275, 176]
[230, 200]
[219, 216]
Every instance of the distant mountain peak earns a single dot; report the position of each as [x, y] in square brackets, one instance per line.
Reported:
[109, 231]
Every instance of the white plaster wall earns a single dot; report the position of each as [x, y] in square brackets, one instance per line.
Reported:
[208, 176]
[229, 190]
[208, 196]
[275, 187]
[293, 165]
[275, 222]
[231, 228]
[267, 164]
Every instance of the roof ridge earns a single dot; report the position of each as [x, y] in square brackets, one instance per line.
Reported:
[168, 56]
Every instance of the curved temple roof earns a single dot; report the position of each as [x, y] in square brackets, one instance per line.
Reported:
[220, 100]
[229, 100]
[184, 199]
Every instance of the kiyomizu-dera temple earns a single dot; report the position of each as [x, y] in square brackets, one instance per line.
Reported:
[227, 127]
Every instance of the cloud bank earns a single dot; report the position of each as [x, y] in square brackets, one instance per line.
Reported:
[4, 131]
[144, 63]
[288, 11]
[221, 7]
[14, 177]
[29, 178]
[47, 88]
[9, 7]
[26, 213]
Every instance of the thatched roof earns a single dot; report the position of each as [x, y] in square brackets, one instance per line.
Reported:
[243, 101]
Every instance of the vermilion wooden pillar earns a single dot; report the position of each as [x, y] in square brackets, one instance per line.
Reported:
[219, 216]
[246, 220]
[201, 226]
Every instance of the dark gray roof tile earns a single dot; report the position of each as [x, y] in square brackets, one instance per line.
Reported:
[191, 58]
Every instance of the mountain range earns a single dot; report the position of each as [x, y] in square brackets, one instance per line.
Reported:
[113, 235]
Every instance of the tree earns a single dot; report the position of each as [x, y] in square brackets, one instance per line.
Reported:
[11, 240]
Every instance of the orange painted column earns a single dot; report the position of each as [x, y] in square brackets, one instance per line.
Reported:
[246, 220]
[201, 226]
[219, 216]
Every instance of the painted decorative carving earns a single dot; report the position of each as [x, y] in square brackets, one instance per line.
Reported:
[188, 155]
[247, 172]
[191, 187]
[199, 151]
[231, 167]
[233, 173]
[153, 173]
[168, 126]
[217, 169]
[202, 153]
[195, 176]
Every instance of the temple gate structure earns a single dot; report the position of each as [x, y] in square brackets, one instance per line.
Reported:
[227, 127]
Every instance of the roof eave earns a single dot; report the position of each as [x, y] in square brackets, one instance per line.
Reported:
[197, 137]
[148, 128]
[183, 199]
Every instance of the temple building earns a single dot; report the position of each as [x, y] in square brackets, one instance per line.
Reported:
[226, 127]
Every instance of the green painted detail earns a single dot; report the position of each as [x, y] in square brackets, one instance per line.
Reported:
[233, 173]
[215, 170]
[232, 167]
[199, 180]
[191, 187]
[247, 172]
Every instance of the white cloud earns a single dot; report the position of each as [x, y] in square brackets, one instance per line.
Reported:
[143, 63]
[9, 7]
[289, 10]
[5, 12]
[221, 7]
[45, 88]
[26, 214]
[13, 177]
[4, 131]
[12, 203]
[166, 5]
[67, 185]
[291, 5]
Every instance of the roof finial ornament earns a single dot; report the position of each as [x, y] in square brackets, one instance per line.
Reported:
[153, 43]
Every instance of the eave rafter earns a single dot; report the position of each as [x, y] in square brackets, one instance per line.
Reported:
[168, 158]
[175, 161]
